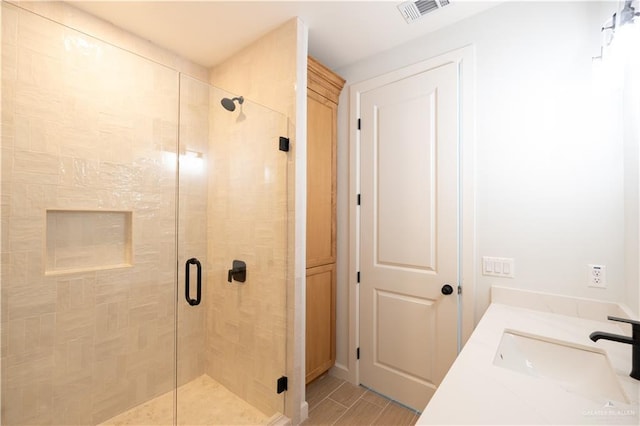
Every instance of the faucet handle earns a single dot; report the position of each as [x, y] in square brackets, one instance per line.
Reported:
[628, 321]
[635, 325]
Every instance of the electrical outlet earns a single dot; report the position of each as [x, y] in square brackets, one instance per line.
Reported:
[597, 276]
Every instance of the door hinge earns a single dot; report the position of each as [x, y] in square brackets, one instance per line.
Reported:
[358, 277]
[358, 200]
[359, 124]
[459, 290]
[282, 384]
[284, 144]
[358, 353]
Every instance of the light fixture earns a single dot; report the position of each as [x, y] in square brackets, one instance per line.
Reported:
[626, 16]
[619, 57]
[628, 13]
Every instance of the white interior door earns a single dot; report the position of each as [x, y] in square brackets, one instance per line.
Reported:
[409, 234]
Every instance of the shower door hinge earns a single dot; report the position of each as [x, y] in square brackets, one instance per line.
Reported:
[359, 124]
[284, 144]
[459, 289]
[282, 384]
[358, 277]
[358, 353]
[358, 200]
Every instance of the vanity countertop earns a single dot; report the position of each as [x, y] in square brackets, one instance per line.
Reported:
[475, 391]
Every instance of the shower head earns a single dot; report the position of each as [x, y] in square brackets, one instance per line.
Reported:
[229, 104]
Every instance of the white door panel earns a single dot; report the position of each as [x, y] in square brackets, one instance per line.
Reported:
[408, 234]
[405, 242]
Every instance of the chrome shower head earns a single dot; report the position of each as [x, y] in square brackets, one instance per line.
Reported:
[229, 104]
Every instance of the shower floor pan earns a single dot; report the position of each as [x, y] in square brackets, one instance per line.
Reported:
[202, 401]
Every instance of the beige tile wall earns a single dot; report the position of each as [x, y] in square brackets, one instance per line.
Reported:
[266, 71]
[91, 127]
[246, 322]
[66, 14]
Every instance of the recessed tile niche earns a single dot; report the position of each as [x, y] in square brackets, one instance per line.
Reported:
[85, 240]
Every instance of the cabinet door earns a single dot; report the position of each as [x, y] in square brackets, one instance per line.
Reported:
[321, 325]
[321, 180]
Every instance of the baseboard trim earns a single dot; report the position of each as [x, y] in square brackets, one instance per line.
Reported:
[341, 372]
[304, 411]
[279, 419]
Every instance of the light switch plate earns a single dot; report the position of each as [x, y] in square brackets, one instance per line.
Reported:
[498, 267]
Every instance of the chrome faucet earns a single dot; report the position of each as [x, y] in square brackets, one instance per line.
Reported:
[634, 341]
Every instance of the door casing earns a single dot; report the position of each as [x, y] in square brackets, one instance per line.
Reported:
[465, 58]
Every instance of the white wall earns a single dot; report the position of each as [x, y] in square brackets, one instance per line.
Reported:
[549, 168]
[631, 135]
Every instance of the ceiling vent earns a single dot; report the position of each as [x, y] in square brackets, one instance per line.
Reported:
[414, 10]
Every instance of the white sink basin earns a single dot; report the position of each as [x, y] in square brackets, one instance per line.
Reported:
[579, 369]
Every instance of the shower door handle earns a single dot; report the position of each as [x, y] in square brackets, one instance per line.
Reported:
[187, 284]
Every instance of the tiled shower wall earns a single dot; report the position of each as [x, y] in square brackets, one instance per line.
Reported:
[88, 127]
[246, 322]
[271, 71]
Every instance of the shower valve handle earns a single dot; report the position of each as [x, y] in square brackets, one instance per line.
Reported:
[238, 271]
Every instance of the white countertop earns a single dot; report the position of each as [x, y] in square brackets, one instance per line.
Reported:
[475, 391]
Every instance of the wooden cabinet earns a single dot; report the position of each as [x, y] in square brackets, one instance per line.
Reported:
[321, 320]
[321, 181]
[323, 90]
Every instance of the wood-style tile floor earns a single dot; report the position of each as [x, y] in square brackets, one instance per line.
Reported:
[335, 402]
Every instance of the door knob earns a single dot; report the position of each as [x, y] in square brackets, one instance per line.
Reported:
[447, 289]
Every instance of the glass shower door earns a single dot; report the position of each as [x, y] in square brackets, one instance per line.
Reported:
[119, 175]
[233, 211]
[88, 228]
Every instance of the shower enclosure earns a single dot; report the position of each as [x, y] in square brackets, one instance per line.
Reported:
[120, 177]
